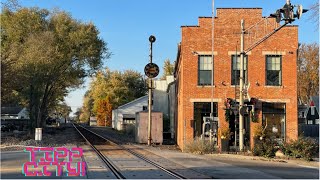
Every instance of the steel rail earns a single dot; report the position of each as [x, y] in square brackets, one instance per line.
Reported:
[108, 162]
[172, 173]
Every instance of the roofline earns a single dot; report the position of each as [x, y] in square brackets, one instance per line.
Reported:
[173, 82]
[190, 26]
[177, 61]
[292, 25]
[241, 8]
[131, 102]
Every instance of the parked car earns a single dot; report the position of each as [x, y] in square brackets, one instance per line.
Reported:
[8, 127]
[51, 121]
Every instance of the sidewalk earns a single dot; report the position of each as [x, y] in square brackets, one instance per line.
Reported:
[314, 163]
[231, 166]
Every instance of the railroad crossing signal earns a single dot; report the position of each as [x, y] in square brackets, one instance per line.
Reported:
[288, 13]
[300, 11]
[151, 70]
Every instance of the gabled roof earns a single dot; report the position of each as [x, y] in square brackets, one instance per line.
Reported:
[11, 110]
[315, 100]
[143, 97]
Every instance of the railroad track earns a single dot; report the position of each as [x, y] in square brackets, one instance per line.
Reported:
[124, 163]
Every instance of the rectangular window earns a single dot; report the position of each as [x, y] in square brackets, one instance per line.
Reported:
[201, 110]
[274, 119]
[144, 108]
[312, 110]
[129, 121]
[273, 70]
[235, 71]
[205, 70]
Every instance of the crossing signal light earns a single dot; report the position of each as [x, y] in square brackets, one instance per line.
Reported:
[287, 13]
[300, 11]
[277, 15]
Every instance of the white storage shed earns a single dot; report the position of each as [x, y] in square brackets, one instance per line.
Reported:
[125, 114]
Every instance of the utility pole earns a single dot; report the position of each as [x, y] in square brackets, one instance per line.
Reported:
[241, 86]
[288, 17]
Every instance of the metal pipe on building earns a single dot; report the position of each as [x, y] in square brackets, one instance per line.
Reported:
[212, 70]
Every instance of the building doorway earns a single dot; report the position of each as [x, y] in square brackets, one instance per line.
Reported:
[201, 110]
[234, 129]
[274, 119]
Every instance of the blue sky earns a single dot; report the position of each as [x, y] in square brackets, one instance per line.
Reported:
[126, 25]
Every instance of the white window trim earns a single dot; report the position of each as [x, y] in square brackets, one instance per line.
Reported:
[205, 100]
[273, 53]
[237, 52]
[205, 53]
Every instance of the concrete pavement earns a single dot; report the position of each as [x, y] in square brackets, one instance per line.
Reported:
[230, 166]
[226, 166]
[12, 162]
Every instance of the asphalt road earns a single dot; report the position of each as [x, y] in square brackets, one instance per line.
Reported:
[283, 169]
[12, 163]
[215, 166]
[228, 166]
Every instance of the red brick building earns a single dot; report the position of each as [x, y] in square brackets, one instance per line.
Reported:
[270, 68]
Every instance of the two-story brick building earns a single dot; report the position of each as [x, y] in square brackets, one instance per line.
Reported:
[270, 68]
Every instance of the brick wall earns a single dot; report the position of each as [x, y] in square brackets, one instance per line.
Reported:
[226, 42]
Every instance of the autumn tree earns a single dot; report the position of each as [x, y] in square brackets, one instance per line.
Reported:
[112, 89]
[103, 110]
[168, 69]
[77, 114]
[44, 55]
[87, 107]
[120, 87]
[308, 71]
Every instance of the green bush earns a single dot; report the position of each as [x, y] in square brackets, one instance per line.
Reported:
[264, 143]
[199, 146]
[265, 147]
[303, 147]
